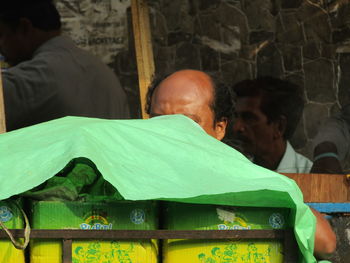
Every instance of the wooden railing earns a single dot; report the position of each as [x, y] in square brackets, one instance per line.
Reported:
[67, 236]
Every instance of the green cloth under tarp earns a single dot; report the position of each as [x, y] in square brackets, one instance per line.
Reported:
[79, 181]
[166, 158]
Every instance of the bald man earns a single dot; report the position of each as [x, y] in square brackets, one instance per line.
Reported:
[198, 96]
[194, 94]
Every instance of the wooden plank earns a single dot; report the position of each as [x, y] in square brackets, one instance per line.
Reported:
[290, 248]
[348, 183]
[323, 188]
[2, 106]
[67, 250]
[69, 234]
[148, 234]
[143, 48]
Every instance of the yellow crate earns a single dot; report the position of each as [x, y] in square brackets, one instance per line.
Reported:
[9, 254]
[116, 215]
[180, 216]
[190, 251]
[96, 252]
[11, 216]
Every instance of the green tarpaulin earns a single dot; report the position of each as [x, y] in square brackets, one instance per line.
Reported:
[167, 157]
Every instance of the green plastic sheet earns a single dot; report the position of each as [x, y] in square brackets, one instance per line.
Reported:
[166, 158]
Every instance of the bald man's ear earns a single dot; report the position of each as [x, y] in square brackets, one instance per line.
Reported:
[220, 128]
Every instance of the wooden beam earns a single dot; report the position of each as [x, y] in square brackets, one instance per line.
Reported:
[67, 250]
[143, 47]
[2, 106]
[69, 234]
[286, 236]
[323, 188]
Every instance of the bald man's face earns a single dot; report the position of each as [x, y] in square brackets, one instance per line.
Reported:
[189, 93]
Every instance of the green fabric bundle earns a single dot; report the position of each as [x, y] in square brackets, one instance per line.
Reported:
[80, 180]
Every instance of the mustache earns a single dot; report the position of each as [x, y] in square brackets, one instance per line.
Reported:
[238, 145]
[241, 139]
[236, 142]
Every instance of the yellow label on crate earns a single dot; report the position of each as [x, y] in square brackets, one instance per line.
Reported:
[231, 221]
[96, 252]
[96, 222]
[10, 216]
[114, 251]
[190, 251]
[9, 254]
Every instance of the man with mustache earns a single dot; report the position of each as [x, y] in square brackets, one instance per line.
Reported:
[198, 96]
[266, 115]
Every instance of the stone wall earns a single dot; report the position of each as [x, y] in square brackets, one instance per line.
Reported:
[341, 226]
[306, 42]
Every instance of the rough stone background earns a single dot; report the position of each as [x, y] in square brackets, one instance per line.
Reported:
[306, 42]
[341, 226]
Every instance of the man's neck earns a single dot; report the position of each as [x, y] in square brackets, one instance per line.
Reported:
[272, 159]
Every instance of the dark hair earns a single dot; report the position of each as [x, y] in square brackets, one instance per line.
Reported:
[278, 98]
[223, 102]
[42, 13]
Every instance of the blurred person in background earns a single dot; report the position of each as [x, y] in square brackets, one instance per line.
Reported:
[266, 114]
[49, 76]
[332, 143]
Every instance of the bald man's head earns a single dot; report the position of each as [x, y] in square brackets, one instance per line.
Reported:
[194, 94]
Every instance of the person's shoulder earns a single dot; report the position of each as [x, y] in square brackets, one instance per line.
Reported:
[61, 53]
[303, 163]
[293, 162]
[303, 159]
[68, 51]
[27, 69]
